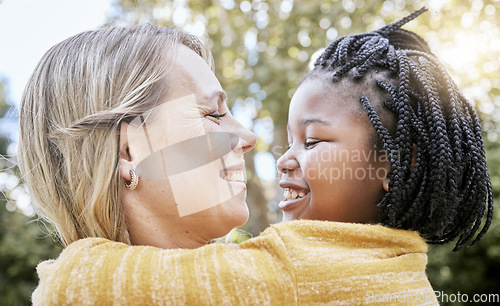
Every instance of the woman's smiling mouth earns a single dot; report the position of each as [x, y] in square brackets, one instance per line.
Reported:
[233, 175]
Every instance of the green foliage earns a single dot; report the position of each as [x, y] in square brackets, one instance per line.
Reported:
[23, 243]
[22, 246]
[236, 236]
[4, 106]
[475, 269]
[261, 76]
[3, 97]
[463, 34]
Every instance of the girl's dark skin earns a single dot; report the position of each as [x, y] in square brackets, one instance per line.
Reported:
[331, 158]
[436, 179]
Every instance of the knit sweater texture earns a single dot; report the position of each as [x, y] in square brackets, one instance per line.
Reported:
[292, 263]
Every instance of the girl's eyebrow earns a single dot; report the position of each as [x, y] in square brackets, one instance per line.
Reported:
[308, 121]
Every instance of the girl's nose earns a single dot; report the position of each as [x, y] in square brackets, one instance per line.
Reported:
[287, 162]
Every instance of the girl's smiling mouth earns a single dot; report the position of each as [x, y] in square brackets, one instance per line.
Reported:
[293, 194]
[292, 197]
[287, 205]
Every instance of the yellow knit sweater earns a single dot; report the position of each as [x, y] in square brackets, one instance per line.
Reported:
[297, 262]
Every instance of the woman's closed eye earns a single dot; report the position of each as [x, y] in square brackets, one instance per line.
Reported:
[215, 116]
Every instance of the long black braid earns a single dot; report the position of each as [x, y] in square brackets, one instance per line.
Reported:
[447, 191]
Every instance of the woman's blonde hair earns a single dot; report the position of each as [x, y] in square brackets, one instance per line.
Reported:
[70, 116]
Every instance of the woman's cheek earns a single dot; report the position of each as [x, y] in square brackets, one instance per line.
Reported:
[210, 126]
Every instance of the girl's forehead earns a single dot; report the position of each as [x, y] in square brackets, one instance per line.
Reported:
[317, 95]
[319, 91]
[314, 103]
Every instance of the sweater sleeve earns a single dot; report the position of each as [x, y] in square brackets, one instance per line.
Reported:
[98, 271]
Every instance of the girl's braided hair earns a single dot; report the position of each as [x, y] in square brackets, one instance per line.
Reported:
[446, 191]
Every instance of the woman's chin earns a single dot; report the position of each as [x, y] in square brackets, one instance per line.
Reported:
[230, 214]
[238, 212]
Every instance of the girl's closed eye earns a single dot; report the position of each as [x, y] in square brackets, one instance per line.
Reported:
[310, 143]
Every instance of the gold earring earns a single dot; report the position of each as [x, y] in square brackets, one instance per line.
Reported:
[133, 182]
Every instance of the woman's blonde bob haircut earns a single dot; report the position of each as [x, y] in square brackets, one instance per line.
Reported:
[70, 118]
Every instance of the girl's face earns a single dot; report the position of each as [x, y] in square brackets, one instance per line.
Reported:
[331, 170]
[188, 153]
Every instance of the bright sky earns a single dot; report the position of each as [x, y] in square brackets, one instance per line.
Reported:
[28, 28]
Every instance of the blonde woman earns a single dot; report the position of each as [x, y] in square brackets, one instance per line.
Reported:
[83, 142]
[129, 149]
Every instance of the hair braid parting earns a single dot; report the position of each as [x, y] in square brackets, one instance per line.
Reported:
[445, 192]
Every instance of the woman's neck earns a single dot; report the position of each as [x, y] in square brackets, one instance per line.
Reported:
[163, 230]
[164, 234]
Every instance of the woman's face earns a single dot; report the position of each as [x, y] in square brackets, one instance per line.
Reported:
[188, 153]
[331, 170]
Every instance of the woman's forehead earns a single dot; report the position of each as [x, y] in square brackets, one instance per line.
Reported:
[190, 74]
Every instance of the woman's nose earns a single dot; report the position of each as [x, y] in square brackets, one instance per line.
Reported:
[248, 139]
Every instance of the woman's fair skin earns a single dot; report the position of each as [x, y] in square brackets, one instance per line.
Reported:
[119, 100]
[331, 170]
[188, 208]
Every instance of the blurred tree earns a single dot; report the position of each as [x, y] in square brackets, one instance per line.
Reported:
[22, 246]
[262, 48]
[23, 243]
[476, 269]
[4, 106]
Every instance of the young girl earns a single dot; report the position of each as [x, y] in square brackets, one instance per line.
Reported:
[379, 132]
[336, 169]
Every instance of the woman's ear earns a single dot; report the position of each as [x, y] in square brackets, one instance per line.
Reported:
[125, 163]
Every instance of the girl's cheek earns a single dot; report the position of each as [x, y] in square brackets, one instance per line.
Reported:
[310, 170]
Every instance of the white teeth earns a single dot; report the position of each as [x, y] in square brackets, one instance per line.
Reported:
[290, 194]
[236, 176]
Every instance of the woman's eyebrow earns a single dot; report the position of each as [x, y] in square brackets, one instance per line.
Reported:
[218, 96]
[222, 95]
